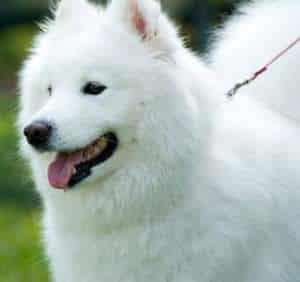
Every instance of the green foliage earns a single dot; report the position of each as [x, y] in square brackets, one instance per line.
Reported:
[21, 256]
[15, 42]
[15, 187]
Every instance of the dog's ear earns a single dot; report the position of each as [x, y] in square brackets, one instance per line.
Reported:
[141, 15]
[146, 19]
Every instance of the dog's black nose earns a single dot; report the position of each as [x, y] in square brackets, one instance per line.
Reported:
[38, 134]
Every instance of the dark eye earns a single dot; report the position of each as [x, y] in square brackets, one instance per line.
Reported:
[49, 89]
[93, 88]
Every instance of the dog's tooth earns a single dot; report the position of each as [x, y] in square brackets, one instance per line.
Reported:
[102, 143]
[94, 150]
[90, 155]
[93, 153]
[85, 155]
[97, 151]
[74, 170]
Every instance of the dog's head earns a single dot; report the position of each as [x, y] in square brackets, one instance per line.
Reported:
[102, 91]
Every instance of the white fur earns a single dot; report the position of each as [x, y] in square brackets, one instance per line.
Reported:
[199, 189]
[250, 40]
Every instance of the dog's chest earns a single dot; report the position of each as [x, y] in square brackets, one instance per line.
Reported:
[147, 253]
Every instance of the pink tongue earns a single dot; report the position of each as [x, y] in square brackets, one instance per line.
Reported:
[61, 170]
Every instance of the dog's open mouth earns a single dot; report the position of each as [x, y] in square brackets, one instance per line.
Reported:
[69, 169]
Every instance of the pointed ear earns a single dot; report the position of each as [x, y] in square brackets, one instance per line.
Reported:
[146, 19]
[141, 15]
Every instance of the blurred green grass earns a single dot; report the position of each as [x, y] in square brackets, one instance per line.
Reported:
[21, 255]
[14, 47]
[15, 186]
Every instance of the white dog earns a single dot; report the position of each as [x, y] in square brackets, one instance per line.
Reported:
[164, 180]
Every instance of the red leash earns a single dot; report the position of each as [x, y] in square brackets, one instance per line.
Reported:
[231, 93]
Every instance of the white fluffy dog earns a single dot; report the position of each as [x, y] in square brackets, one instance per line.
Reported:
[164, 180]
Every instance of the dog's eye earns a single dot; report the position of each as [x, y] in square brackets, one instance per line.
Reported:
[93, 88]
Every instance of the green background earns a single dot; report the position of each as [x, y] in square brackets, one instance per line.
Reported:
[21, 254]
